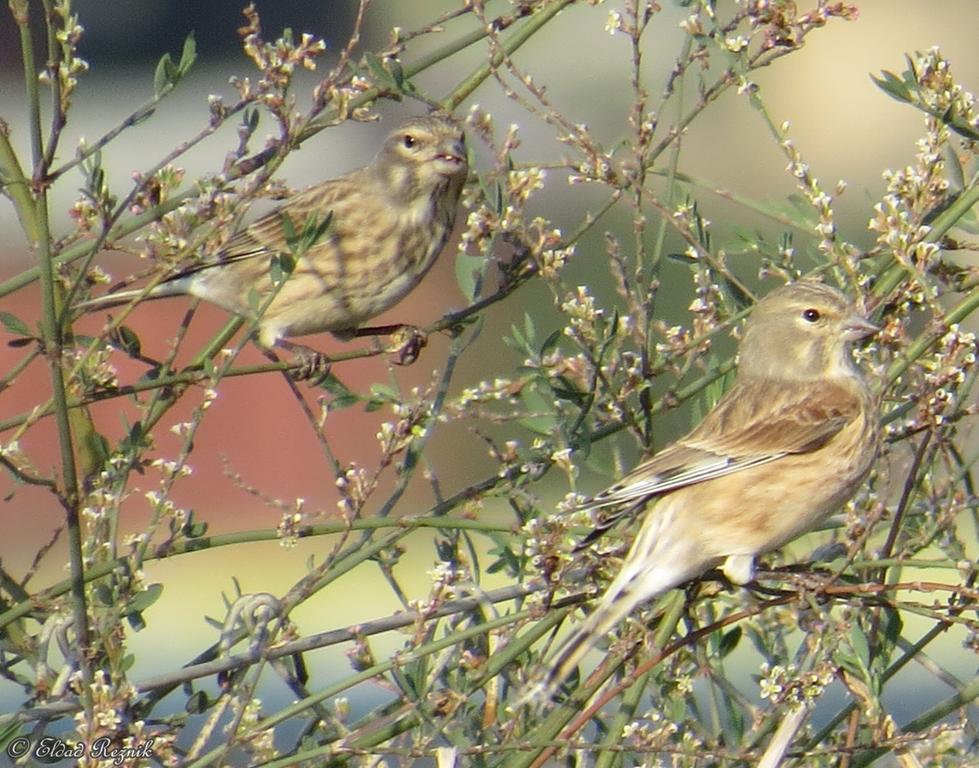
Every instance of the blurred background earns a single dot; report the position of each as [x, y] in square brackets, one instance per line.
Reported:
[845, 127]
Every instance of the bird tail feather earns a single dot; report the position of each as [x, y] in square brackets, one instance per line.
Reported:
[623, 596]
[118, 298]
[657, 561]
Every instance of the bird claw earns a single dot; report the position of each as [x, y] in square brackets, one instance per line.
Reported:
[407, 343]
[312, 366]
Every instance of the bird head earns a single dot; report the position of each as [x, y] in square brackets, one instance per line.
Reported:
[423, 153]
[802, 331]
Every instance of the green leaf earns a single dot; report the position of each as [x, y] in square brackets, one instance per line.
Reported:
[125, 339]
[893, 626]
[543, 422]
[145, 599]
[893, 86]
[281, 266]
[385, 393]
[729, 641]
[104, 596]
[250, 120]
[334, 386]
[530, 328]
[382, 78]
[468, 270]
[713, 391]
[396, 71]
[161, 80]
[197, 703]
[373, 404]
[960, 125]
[681, 258]
[289, 230]
[190, 529]
[969, 221]
[8, 732]
[188, 55]
[572, 395]
[954, 167]
[314, 230]
[14, 324]
[136, 621]
[861, 653]
[254, 300]
[168, 74]
[344, 401]
[551, 342]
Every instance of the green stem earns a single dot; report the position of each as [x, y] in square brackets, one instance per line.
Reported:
[769, 211]
[16, 186]
[926, 340]
[136, 222]
[31, 82]
[57, 111]
[374, 736]
[909, 655]
[406, 525]
[52, 340]
[77, 251]
[607, 756]
[52, 337]
[950, 216]
[943, 709]
[189, 376]
[893, 275]
[513, 42]
[671, 173]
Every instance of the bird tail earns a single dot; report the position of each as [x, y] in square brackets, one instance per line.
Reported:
[618, 602]
[589, 634]
[176, 287]
[657, 561]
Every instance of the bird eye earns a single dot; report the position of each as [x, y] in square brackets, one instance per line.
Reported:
[811, 315]
[408, 140]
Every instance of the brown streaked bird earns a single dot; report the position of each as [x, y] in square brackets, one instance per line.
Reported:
[792, 440]
[383, 227]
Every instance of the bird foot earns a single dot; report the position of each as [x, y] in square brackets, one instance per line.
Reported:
[739, 569]
[407, 343]
[312, 366]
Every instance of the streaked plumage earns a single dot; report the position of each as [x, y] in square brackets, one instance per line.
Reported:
[789, 442]
[387, 223]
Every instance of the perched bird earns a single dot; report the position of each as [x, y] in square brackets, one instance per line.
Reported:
[381, 228]
[789, 442]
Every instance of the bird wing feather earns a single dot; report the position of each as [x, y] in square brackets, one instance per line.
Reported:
[265, 236]
[752, 424]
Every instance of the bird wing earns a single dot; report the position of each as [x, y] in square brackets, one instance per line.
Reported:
[753, 424]
[266, 236]
[760, 418]
[312, 207]
[672, 468]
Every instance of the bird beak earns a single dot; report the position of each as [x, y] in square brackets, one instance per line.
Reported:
[454, 156]
[857, 327]
[451, 158]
